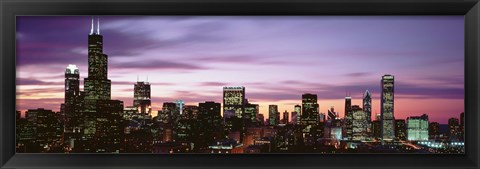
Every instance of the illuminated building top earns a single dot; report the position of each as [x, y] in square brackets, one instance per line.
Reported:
[72, 69]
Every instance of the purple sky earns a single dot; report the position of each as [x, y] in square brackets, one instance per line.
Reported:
[277, 58]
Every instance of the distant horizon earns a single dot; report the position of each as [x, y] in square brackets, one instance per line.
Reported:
[276, 58]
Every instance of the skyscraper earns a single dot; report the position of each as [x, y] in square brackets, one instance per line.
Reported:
[234, 100]
[250, 115]
[387, 110]
[141, 98]
[190, 111]
[168, 114]
[97, 85]
[298, 109]
[310, 109]
[359, 124]
[179, 104]
[72, 91]
[417, 128]
[367, 106]
[331, 114]
[277, 118]
[285, 117]
[433, 130]
[348, 118]
[101, 115]
[454, 129]
[309, 119]
[294, 118]
[210, 120]
[272, 111]
[400, 130]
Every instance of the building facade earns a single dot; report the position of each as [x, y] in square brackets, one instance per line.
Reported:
[97, 85]
[285, 117]
[434, 130]
[387, 108]
[367, 107]
[272, 111]
[454, 131]
[310, 109]
[234, 100]
[359, 124]
[70, 109]
[400, 129]
[141, 97]
[348, 126]
[417, 128]
[297, 108]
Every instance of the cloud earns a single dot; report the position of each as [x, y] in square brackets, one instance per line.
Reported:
[81, 51]
[43, 54]
[117, 44]
[54, 40]
[155, 65]
[32, 81]
[359, 74]
[273, 96]
[225, 59]
[213, 84]
[447, 80]
[53, 91]
[132, 36]
[133, 83]
[431, 92]
[294, 90]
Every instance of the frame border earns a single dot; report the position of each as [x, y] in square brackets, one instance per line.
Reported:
[10, 8]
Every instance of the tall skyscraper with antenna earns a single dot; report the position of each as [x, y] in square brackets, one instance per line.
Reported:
[141, 97]
[103, 130]
[97, 85]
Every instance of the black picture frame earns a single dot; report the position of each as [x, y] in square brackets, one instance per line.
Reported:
[11, 8]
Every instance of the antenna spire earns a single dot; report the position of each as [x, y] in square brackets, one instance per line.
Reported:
[98, 25]
[91, 30]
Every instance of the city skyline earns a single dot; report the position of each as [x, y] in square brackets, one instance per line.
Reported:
[269, 74]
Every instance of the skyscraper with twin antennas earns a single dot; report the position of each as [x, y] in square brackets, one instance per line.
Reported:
[103, 121]
[97, 85]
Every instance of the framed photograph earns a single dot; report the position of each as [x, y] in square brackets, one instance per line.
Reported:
[239, 84]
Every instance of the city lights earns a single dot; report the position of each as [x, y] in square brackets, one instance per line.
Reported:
[93, 119]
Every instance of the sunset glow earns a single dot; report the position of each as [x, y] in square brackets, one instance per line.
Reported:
[276, 58]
